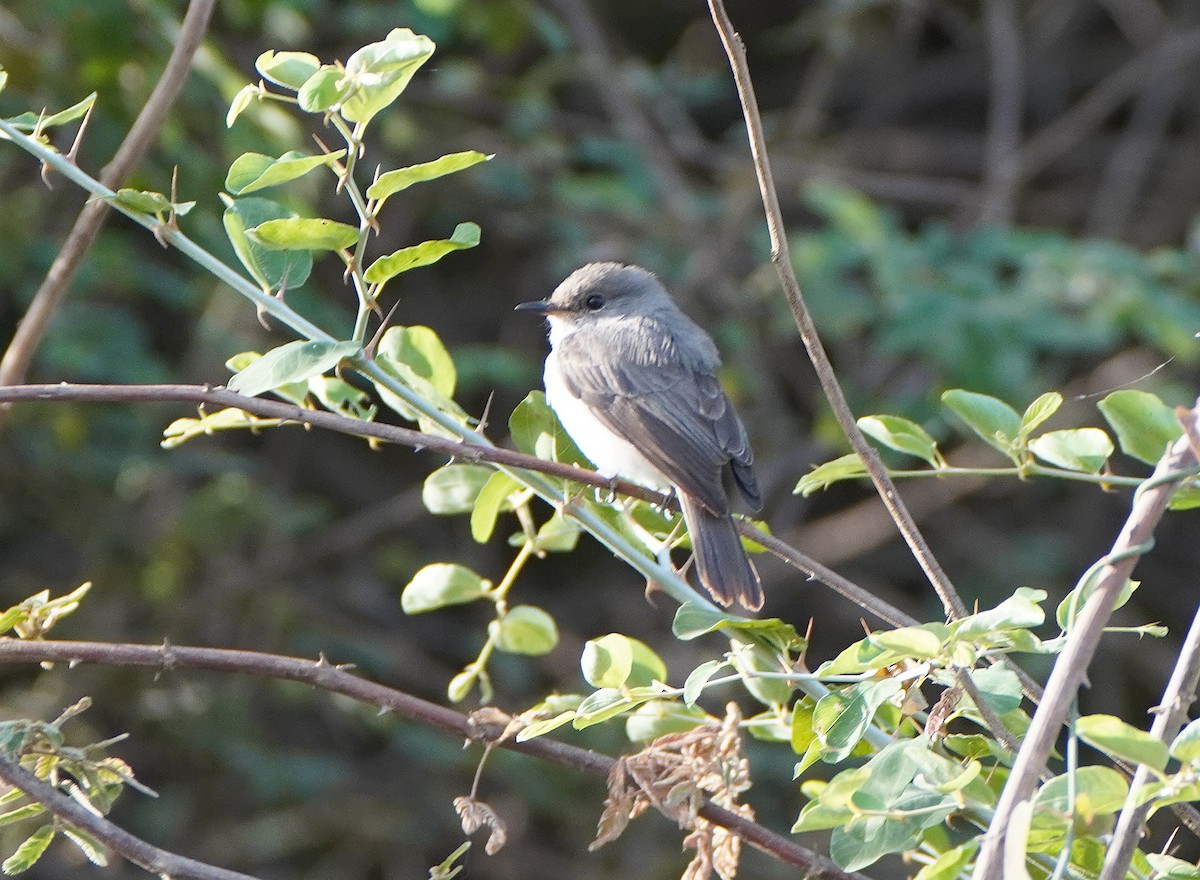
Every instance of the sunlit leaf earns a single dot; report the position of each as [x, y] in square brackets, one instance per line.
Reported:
[525, 630]
[272, 269]
[453, 489]
[494, 497]
[465, 235]
[29, 852]
[903, 436]
[441, 584]
[993, 420]
[254, 171]
[290, 69]
[1145, 426]
[823, 476]
[378, 72]
[304, 233]
[291, 362]
[1076, 449]
[399, 179]
[1122, 740]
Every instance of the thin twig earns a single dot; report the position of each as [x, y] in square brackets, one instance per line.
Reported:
[15, 364]
[781, 258]
[1135, 538]
[290, 413]
[156, 861]
[1171, 714]
[321, 674]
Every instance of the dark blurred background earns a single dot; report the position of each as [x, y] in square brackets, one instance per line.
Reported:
[997, 195]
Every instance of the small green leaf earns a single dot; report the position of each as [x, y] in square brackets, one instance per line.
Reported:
[699, 678]
[1038, 411]
[532, 426]
[903, 436]
[846, 467]
[616, 661]
[841, 718]
[1145, 426]
[28, 121]
[538, 728]
[3, 78]
[304, 233]
[453, 489]
[600, 706]
[291, 362]
[441, 584]
[289, 69]
[393, 182]
[1076, 449]
[949, 864]
[465, 235]
[254, 171]
[692, 621]
[91, 848]
[1018, 611]
[1114, 736]
[1102, 788]
[1073, 602]
[657, 718]
[1185, 748]
[557, 534]
[271, 269]
[494, 497]
[1171, 867]
[460, 686]
[30, 851]
[379, 72]
[421, 350]
[22, 813]
[142, 201]
[525, 630]
[915, 642]
[243, 99]
[323, 90]
[993, 420]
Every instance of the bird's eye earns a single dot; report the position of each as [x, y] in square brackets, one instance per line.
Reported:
[594, 303]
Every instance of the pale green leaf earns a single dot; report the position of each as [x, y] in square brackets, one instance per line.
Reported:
[254, 171]
[289, 69]
[272, 269]
[290, 363]
[304, 233]
[399, 179]
[441, 584]
[993, 420]
[1038, 411]
[615, 661]
[1122, 740]
[846, 467]
[1076, 449]
[453, 489]
[494, 497]
[902, 435]
[465, 235]
[377, 73]
[1145, 426]
[323, 90]
[525, 630]
[30, 851]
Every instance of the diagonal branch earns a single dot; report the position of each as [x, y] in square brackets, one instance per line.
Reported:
[781, 258]
[1110, 575]
[145, 855]
[15, 364]
[466, 451]
[335, 679]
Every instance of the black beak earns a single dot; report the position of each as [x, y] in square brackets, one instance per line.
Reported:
[541, 306]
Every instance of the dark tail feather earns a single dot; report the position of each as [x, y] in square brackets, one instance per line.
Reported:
[724, 569]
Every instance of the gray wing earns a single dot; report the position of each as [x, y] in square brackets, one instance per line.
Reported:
[666, 403]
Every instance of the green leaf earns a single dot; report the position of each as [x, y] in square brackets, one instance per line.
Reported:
[28, 122]
[441, 584]
[538, 728]
[22, 813]
[1171, 867]
[3, 78]
[525, 630]
[533, 425]
[243, 99]
[1073, 602]
[557, 534]
[379, 72]
[465, 235]
[1000, 685]
[657, 718]
[421, 350]
[291, 362]
[616, 661]
[692, 620]
[91, 848]
[1038, 411]
[30, 851]
[1018, 611]
[254, 171]
[846, 467]
[271, 269]
[494, 497]
[600, 706]
[914, 642]
[1145, 426]
[903, 436]
[1076, 449]
[1098, 791]
[699, 677]
[289, 69]
[304, 233]
[323, 90]
[841, 718]
[393, 182]
[993, 420]
[1114, 736]
[1185, 748]
[453, 489]
[147, 202]
[949, 864]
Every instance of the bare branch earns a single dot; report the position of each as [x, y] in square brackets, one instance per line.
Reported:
[15, 364]
[145, 855]
[781, 258]
[287, 412]
[321, 674]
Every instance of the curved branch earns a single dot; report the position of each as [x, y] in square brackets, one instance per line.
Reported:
[475, 452]
[15, 363]
[156, 861]
[781, 258]
[335, 679]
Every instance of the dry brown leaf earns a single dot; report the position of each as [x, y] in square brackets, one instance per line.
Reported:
[475, 814]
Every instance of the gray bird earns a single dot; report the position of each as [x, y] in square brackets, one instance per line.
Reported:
[633, 380]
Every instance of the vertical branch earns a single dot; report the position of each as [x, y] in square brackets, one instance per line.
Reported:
[1000, 176]
[1110, 575]
[781, 258]
[15, 364]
